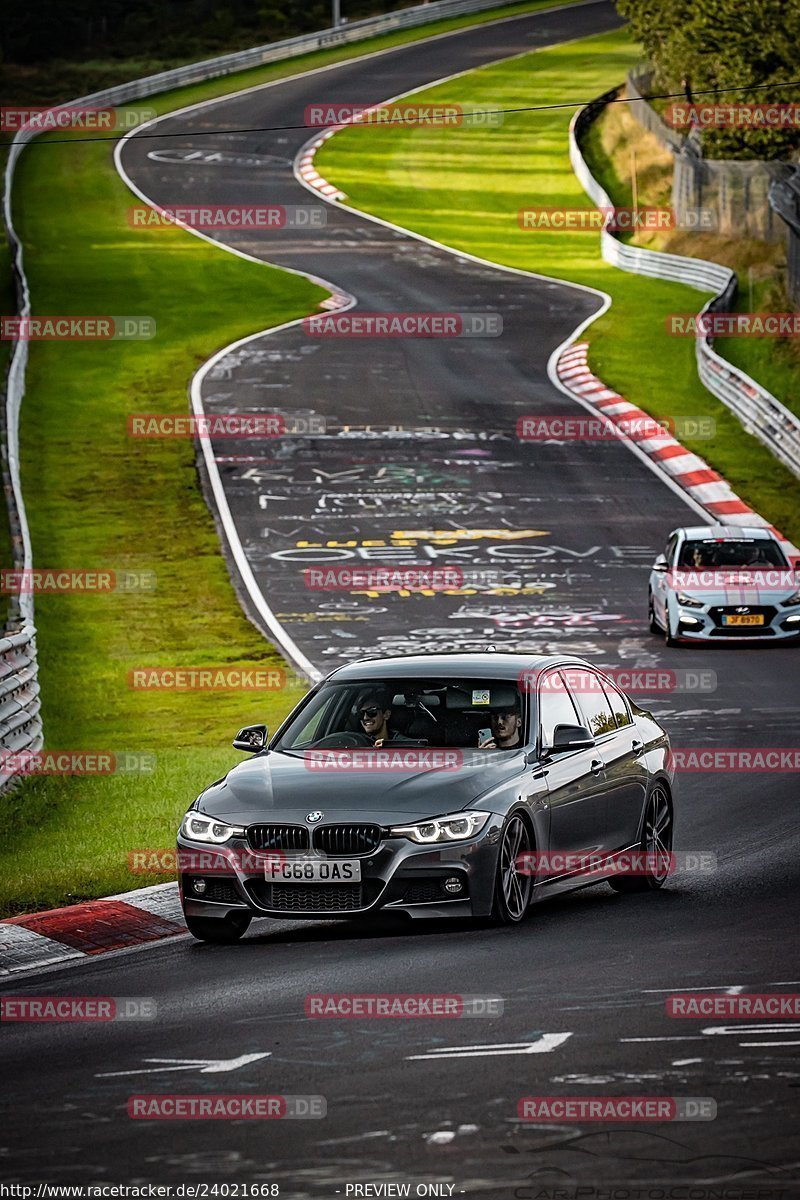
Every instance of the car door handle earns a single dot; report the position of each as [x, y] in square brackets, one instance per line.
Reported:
[637, 747]
[597, 766]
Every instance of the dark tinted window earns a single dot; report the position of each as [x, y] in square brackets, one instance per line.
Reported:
[618, 706]
[592, 700]
[725, 554]
[555, 706]
[434, 712]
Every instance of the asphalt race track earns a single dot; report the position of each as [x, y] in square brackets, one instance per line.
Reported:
[420, 440]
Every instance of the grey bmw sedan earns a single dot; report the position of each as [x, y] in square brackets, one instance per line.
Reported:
[460, 785]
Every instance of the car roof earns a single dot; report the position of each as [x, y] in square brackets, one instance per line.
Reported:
[728, 532]
[495, 664]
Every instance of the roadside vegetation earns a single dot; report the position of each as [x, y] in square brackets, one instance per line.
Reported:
[465, 186]
[617, 145]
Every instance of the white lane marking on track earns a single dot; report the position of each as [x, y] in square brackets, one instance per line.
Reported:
[543, 1045]
[208, 1066]
[729, 1030]
[729, 989]
[766, 1031]
[770, 1044]
[688, 1037]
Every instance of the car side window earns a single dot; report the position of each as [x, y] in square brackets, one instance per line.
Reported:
[555, 706]
[669, 550]
[598, 716]
[619, 706]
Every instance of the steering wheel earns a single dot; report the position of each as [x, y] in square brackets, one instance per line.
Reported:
[341, 741]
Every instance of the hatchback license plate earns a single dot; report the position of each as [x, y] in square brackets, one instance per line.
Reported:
[313, 870]
[753, 619]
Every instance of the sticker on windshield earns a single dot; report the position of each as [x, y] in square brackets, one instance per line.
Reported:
[480, 696]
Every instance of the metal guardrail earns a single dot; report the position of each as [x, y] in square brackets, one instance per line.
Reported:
[761, 413]
[20, 719]
[636, 85]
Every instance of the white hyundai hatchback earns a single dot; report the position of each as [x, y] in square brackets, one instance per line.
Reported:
[724, 583]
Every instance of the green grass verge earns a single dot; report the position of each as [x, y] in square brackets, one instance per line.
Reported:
[464, 187]
[96, 498]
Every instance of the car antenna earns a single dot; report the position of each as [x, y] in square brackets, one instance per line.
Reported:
[491, 648]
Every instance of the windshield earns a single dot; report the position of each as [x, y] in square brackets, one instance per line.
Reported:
[480, 713]
[727, 554]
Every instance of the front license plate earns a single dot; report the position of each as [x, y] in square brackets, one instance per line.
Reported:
[753, 619]
[313, 870]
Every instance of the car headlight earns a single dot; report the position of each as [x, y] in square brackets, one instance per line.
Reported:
[795, 599]
[688, 601]
[455, 828]
[200, 828]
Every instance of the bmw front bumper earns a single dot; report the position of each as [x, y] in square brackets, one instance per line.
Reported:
[398, 876]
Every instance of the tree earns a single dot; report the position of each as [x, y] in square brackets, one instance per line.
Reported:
[724, 51]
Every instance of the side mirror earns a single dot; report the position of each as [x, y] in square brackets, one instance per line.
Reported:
[571, 737]
[661, 564]
[252, 738]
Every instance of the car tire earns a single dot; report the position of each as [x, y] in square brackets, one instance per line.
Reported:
[656, 840]
[222, 930]
[651, 616]
[512, 890]
[669, 637]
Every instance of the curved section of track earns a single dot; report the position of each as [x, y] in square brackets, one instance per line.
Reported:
[410, 1101]
[420, 463]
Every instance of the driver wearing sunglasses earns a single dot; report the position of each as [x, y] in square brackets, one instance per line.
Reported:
[374, 710]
